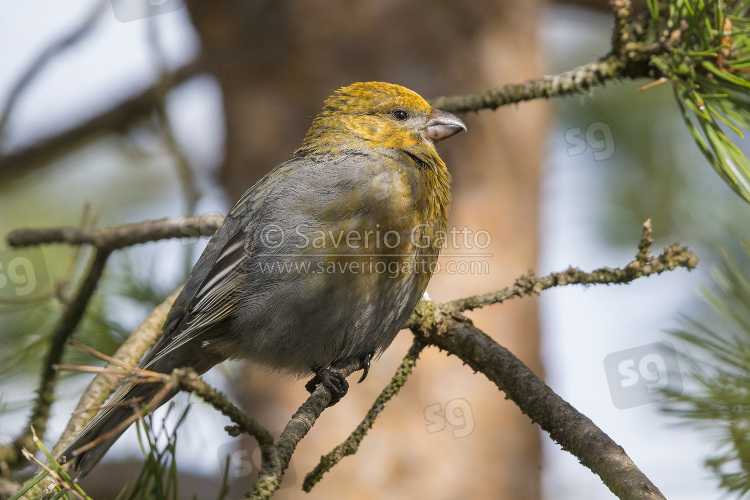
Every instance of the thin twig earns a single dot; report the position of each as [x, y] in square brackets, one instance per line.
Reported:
[109, 359]
[275, 459]
[671, 258]
[10, 454]
[114, 238]
[187, 380]
[576, 81]
[623, 10]
[117, 119]
[351, 444]
[92, 369]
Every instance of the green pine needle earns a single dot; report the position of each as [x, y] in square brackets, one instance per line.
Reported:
[718, 400]
[708, 70]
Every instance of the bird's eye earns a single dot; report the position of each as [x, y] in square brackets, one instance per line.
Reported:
[400, 114]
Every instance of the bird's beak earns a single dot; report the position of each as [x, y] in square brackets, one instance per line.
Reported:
[443, 125]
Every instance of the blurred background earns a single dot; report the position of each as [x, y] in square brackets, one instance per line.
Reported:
[145, 116]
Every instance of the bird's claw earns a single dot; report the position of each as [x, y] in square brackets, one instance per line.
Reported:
[333, 381]
[365, 364]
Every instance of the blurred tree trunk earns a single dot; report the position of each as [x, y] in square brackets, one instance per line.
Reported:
[276, 61]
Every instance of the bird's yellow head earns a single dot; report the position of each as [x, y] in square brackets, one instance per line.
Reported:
[377, 115]
[398, 126]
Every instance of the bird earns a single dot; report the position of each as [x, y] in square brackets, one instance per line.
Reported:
[321, 262]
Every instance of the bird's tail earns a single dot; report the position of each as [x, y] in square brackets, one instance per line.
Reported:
[121, 411]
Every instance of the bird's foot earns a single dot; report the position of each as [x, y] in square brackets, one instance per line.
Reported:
[333, 381]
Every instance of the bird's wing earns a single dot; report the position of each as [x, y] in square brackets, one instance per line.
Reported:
[209, 296]
[211, 303]
[205, 301]
[219, 280]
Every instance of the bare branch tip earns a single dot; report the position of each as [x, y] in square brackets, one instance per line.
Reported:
[645, 243]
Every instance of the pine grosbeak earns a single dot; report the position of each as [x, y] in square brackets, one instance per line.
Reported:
[320, 262]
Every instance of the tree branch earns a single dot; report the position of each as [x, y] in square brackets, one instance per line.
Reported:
[673, 257]
[623, 10]
[114, 238]
[443, 325]
[114, 120]
[45, 57]
[627, 58]
[11, 454]
[275, 459]
[576, 81]
[188, 380]
[351, 444]
[432, 323]
[575, 432]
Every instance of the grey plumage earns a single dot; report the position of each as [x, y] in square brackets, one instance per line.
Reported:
[236, 305]
[290, 280]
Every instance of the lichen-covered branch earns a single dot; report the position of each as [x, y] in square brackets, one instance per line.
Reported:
[444, 326]
[671, 258]
[432, 323]
[627, 58]
[575, 432]
[623, 10]
[275, 459]
[188, 380]
[576, 81]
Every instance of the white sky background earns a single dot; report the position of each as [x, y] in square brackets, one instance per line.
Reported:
[115, 59]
